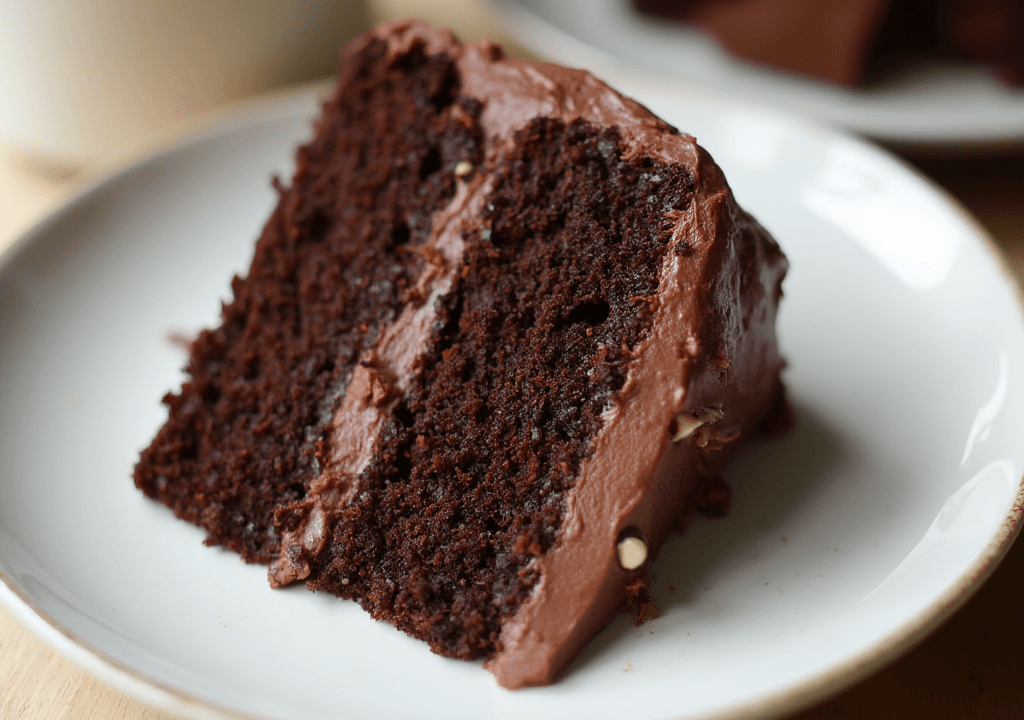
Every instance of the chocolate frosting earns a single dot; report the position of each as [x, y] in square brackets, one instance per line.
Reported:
[711, 348]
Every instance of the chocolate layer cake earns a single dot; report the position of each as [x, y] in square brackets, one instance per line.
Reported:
[502, 328]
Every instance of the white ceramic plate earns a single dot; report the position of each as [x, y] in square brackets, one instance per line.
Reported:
[870, 523]
[929, 104]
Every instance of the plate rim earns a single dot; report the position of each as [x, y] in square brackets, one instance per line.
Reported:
[227, 119]
[831, 681]
[539, 36]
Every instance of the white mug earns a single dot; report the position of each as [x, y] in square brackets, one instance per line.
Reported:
[82, 78]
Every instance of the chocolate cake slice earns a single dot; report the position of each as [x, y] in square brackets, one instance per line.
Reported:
[502, 328]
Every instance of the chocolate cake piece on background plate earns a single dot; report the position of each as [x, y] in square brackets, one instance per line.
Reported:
[852, 42]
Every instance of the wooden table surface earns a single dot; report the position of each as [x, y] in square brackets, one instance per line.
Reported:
[973, 667]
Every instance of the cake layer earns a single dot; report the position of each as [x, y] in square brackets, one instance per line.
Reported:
[334, 265]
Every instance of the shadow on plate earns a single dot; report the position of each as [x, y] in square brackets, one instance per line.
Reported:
[772, 480]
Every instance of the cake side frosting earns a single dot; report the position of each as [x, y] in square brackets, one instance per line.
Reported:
[639, 479]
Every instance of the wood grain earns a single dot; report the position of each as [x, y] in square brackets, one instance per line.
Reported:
[37, 683]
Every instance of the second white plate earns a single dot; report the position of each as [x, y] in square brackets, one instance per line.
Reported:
[887, 505]
[938, 105]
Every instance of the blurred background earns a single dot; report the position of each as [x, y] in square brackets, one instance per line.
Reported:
[88, 87]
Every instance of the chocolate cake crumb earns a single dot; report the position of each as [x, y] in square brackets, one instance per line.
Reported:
[331, 268]
[502, 416]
